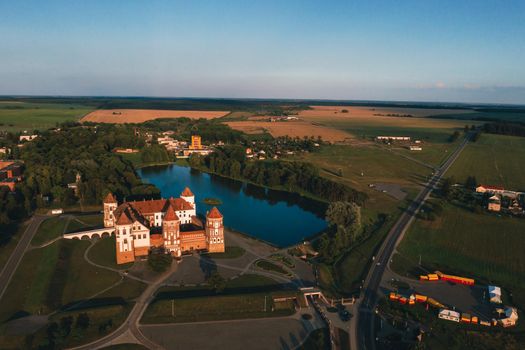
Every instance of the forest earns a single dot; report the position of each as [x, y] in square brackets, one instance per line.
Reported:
[505, 128]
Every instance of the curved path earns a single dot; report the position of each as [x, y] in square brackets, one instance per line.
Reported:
[130, 330]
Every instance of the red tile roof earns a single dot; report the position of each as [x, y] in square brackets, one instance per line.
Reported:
[187, 192]
[489, 187]
[126, 215]
[160, 205]
[214, 213]
[124, 218]
[110, 199]
[171, 215]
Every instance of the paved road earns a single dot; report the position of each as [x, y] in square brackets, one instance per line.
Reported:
[363, 330]
[131, 324]
[18, 253]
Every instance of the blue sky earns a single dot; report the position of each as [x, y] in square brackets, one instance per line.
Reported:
[421, 50]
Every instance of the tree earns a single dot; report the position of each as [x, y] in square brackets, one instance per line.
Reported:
[66, 323]
[82, 321]
[216, 281]
[159, 261]
[446, 187]
[343, 214]
[471, 183]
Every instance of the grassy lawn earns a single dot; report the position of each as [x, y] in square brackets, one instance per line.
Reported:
[425, 129]
[432, 153]
[103, 253]
[51, 277]
[283, 259]
[231, 252]
[351, 269]
[129, 289]
[250, 280]
[317, 339]
[376, 164]
[17, 116]
[494, 160]
[49, 229]
[218, 307]
[483, 246]
[270, 266]
[9, 239]
[81, 222]
[109, 316]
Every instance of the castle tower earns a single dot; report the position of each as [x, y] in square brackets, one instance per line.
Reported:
[214, 231]
[195, 142]
[170, 231]
[125, 252]
[188, 196]
[110, 204]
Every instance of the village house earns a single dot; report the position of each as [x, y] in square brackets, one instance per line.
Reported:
[27, 137]
[171, 224]
[393, 138]
[489, 189]
[494, 203]
[10, 174]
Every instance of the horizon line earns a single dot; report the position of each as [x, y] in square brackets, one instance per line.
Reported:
[271, 99]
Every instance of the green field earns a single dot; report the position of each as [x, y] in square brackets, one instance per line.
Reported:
[103, 253]
[218, 307]
[19, 116]
[377, 166]
[483, 246]
[493, 160]
[48, 230]
[270, 266]
[81, 222]
[433, 154]
[53, 276]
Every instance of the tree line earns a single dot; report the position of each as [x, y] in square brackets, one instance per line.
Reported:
[505, 128]
[230, 161]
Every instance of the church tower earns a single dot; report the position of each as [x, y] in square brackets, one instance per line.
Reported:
[214, 231]
[188, 196]
[170, 231]
[110, 204]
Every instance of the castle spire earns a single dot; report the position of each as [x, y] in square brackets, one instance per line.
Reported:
[109, 198]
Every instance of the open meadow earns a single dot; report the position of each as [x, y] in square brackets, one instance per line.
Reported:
[482, 245]
[119, 116]
[360, 166]
[494, 160]
[20, 116]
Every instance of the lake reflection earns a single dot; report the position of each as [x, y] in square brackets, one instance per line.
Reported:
[278, 217]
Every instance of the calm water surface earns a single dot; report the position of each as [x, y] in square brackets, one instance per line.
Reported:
[278, 217]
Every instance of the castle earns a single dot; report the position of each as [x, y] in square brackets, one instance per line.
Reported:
[169, 223]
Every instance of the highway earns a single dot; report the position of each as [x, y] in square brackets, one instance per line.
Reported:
[364, 328]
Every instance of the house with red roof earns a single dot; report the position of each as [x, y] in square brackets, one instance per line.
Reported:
[489, 189]
[168, 223]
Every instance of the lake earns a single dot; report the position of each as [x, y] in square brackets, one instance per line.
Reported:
[278, 217]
